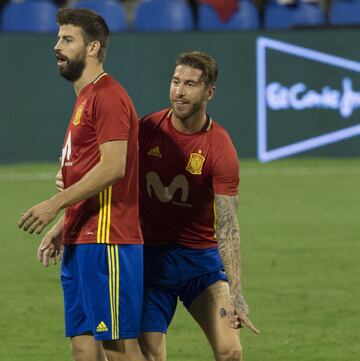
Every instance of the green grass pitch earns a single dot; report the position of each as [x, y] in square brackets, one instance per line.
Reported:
[300, 229]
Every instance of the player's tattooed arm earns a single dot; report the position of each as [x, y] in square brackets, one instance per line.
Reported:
[228, 237]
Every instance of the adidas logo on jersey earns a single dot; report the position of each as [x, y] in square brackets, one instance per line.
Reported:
[101, 327]
[155, 152]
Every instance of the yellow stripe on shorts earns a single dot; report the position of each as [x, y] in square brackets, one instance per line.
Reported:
[114, 282]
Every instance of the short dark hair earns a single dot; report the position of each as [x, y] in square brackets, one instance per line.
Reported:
[202, 61]
[93, 26]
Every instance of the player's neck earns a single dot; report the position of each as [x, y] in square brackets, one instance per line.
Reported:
[91, 72]
[190, 125]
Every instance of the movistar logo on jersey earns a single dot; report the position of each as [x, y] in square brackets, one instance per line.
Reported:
[166, 194]
[66, 152]
[101, 327]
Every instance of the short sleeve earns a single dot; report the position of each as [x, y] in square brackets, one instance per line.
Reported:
[112, 117]
[226, 168]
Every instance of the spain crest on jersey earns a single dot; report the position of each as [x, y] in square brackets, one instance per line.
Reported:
[195, 163]
[78, 114]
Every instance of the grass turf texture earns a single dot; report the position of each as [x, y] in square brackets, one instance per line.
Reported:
[299, 224]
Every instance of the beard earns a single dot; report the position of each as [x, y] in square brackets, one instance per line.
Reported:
[187, 112]
[73, 69]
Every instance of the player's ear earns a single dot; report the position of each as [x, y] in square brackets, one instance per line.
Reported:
[94, 48]
[211, 91]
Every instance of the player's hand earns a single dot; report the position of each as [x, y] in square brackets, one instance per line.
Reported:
[245, 321]
[50, 248]
[39, 216]
[242, 315]
[59, 181]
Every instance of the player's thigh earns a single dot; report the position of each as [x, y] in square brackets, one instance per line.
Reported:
[76, 322]
[85, 348]
[123, 350]
[158, 310]
[153, 345]
[212, 310]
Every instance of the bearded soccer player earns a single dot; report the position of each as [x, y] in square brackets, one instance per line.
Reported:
[102, 262]
[189, 177]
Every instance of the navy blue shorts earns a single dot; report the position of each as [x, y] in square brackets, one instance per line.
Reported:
[103, 290]
[172, 272]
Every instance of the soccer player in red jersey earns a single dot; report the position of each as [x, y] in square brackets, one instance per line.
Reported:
[189, 177]
[102, 272]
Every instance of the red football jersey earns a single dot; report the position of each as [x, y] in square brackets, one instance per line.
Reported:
[103, 112]
[179, 175]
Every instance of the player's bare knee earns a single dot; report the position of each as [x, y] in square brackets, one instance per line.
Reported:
[153, 346]
[85, 351]
[127, 349]
[151, 357]
[79, 352]
[233, 353]
[152, 353]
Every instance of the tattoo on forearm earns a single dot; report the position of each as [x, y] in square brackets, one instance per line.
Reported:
[228, 237]
[223, 312]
